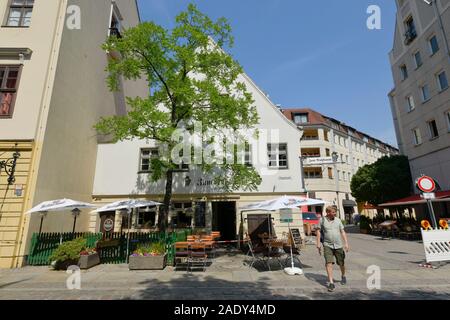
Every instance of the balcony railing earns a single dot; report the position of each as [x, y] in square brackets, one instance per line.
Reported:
[410, 35]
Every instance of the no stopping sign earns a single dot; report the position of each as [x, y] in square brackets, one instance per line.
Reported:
[426, 184]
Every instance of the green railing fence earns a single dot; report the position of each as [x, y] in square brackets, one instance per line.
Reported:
[114, 244]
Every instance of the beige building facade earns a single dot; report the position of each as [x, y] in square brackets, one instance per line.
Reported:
[52, 92]
[420, 101]
[325, 178]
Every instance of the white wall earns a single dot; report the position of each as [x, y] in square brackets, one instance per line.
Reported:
[117, 164]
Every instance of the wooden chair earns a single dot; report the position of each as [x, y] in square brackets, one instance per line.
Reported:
[256, 253]
[181, 254]
[197, 256]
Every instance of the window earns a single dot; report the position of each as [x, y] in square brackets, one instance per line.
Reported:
[434, 45]
[146, 156]
[313, 173]
[336, 139]
[277, 154]
[339, 175]
[19, 14]
[248, 155]
[433, 129]
[182, 166]
[417, 136]
[418, 59]
[330, 173]
[325, 135]
[404, 72]
[327, 152]
[425, 89]
[347, 159]
[410, 103]
[410, 33]
[341, 141]
[300, 118]
[9, 79]
[442, 80]
[146, 218]
[115, 27]
[344, 174]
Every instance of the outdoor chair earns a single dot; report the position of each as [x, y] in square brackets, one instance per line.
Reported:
[255, 252]
[275, 251]
[197, 258]
[181, 255]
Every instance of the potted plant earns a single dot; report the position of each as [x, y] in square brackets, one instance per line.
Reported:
[88, 258]
[149, 257]
[67, 254]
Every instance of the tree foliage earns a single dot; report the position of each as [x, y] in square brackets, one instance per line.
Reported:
[191, 79]
[386, 180]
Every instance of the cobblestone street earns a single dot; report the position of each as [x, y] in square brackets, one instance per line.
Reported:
[228, 278]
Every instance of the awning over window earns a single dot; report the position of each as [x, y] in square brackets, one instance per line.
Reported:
[441, 196]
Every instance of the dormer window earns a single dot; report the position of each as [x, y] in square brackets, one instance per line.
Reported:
[301, 118]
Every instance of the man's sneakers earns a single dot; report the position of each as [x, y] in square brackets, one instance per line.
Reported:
[331, 287]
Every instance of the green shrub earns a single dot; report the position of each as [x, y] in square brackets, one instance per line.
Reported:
[156, 248]
[68, 251]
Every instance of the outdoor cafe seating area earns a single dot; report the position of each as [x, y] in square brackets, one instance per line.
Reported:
[197, 252]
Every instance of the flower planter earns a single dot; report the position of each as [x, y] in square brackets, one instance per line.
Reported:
[63, 265]
[89, 261]
[147, 262]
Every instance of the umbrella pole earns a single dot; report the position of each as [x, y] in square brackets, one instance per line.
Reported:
[128, 234]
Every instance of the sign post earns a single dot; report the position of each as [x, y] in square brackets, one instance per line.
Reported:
[428, 186]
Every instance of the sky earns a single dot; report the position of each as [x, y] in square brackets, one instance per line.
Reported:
[317, 54]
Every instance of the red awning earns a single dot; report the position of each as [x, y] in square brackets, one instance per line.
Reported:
[417, 199]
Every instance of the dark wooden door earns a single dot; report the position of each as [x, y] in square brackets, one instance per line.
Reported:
[259, 224]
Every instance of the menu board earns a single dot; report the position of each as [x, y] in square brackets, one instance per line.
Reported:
[295, 233]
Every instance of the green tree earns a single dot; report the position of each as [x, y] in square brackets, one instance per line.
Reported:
[191, 79]
[387, 179]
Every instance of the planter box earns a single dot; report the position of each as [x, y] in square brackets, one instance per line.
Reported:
[89, 261]
[147, 263]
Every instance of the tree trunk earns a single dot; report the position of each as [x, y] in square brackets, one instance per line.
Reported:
[163, 219]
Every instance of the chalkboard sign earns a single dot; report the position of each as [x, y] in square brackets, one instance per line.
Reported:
[295, 234]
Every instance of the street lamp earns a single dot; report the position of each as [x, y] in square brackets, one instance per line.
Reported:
[75, 213]
[10, 167]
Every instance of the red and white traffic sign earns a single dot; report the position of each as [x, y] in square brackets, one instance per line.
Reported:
[426, 184]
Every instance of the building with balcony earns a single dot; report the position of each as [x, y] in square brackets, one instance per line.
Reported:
[325, 138]
[420, 101]
[52, 92]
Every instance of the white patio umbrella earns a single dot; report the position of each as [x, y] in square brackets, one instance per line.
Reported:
[128, 205]
[285, 202]
[60, 205]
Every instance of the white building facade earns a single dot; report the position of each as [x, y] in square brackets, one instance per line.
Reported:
[122, 172]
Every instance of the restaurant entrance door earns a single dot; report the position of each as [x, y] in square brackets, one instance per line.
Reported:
[224, 219]
[259, 224]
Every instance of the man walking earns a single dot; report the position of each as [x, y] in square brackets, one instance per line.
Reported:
[332, 233]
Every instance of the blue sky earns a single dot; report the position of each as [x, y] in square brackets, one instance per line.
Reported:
[318, 54]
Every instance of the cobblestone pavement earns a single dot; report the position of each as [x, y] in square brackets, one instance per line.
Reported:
[229, 278]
